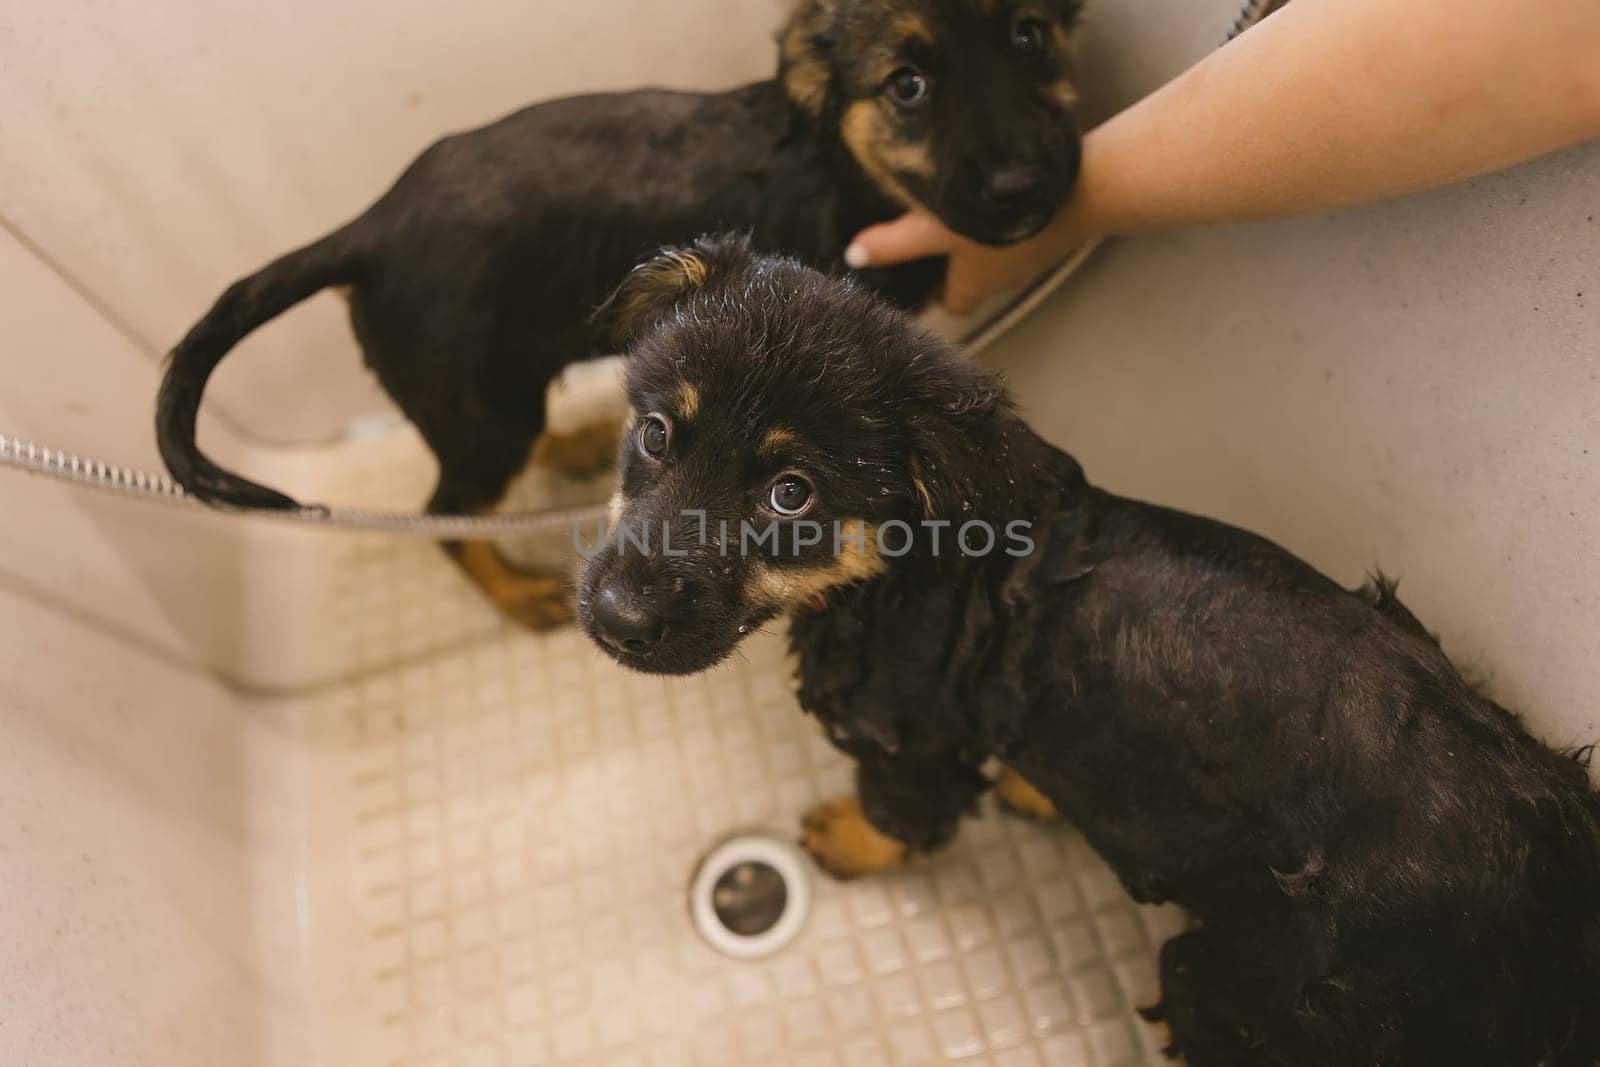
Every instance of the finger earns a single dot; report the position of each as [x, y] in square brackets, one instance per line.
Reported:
[960, 302]
[911, 236]
[963, 293]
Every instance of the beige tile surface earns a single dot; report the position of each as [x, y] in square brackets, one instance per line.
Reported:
[503, 838]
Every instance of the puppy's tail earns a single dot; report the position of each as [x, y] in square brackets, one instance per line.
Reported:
[246, 305]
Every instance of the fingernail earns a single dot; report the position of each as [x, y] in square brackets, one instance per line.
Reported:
[856, 257]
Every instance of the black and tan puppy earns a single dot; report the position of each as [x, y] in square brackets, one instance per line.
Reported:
[1385, 867]
[472, 281]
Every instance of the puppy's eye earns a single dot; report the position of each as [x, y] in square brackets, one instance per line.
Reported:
[790, 495]
[1028, 37]
[907, 87]
[653, 434]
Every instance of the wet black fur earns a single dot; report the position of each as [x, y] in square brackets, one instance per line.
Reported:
[472, 280]
[1384, 866]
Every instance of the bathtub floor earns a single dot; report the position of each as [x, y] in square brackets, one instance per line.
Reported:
[503, 835]
[502, 829]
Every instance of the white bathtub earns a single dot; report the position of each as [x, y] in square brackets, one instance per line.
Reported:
[276, 797]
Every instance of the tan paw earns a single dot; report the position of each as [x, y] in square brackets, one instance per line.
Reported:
[537, 600]
[537, 603]
[1168, 1044]
[844, 844]
[1020, 798]
[584, 452]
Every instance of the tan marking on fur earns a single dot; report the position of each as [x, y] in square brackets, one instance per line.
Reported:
[537, 600]
[789, 587]
[842, 841]
[661, 280]
[908, 159]
[1166, 1041]
[1064, 93]
[1016, 795]
[914, 468]
[584, 452]
[688, 401]
[867, 133]
[1064, 40]
[805, 73]
[777, 438]
[343, 292]
[695, 269]
[616, 505]
[910, 26]
[875, 133]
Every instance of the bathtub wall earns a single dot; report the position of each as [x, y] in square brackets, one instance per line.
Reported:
[1412, 386]
[151, 831]
[153, 152]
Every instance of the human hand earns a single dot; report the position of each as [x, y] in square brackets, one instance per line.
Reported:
[975, 270]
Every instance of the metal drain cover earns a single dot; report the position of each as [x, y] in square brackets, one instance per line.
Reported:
[750, 896]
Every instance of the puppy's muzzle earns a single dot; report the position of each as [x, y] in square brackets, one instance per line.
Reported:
[624, 620]
[1014, 186]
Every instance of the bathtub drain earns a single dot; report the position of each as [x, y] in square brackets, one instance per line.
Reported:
[750, 896]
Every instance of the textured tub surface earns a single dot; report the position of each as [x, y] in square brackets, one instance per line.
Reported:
[503, 835]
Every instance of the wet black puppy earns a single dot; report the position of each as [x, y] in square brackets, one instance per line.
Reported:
[472, 281]
[1384, 866]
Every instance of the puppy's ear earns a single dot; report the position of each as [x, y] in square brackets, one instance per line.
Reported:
[953, 404]
[805, 56]
[653, 287]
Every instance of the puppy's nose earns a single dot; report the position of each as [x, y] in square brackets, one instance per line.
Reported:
[1013, 185]
[624, 621]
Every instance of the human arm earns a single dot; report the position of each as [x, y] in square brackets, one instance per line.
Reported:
[1326, 103]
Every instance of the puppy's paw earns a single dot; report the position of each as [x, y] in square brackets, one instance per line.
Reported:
[1020, 798]
[583, 453]
[537, 600]
[1168, 1043]
[1155, 1017]
[842, 841]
